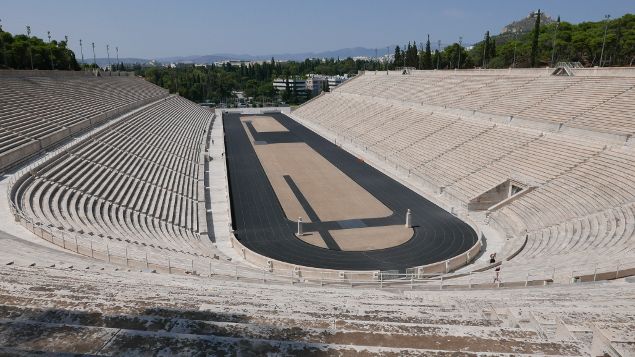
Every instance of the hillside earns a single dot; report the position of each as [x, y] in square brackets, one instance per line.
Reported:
[562, 41]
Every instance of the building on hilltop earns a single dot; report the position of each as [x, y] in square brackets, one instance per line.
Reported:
[527, 24]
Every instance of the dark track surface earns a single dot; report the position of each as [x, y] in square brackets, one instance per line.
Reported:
[261, 225]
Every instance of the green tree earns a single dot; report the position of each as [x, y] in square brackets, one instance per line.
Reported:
[412, 55]
[534, 44]
[398, 59]
[427, 55]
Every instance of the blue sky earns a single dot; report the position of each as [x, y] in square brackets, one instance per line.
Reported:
[151, 29]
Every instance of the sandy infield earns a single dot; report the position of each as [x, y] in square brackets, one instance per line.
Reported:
[362, 239]
[314, 238]
[332, 195]
[265, 124]
[370, 238]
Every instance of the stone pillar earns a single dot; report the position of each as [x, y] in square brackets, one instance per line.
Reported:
[408, 219]
[300, 232]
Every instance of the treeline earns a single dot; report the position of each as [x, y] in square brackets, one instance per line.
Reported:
[214, 83]
[453, 56]
[30, 52]
[543, 46]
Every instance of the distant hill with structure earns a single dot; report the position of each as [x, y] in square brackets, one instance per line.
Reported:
[526, 24]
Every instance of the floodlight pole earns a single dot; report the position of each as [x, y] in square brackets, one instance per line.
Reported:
[48, 33]
[4, 47]
[28, 35]
[460, 46]
[515, 43]
[94, 57]
[108, 54]
[484, 54]
[606, 26]
[376, 61]
[553, 50]
[81, 49]
[66, 45]
[438, 52]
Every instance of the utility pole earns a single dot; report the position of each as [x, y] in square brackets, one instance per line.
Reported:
[28, 34]
[94, 57]
[606, 26]
[81, 49]
[460, 46]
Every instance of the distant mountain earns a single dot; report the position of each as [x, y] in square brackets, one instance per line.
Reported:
[102, 62]
[206, 59]
[341, 53]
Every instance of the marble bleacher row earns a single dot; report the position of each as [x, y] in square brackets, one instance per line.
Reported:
[596, 103]
[132, 313]
[580, 212]
[37, 111]
[138, 181]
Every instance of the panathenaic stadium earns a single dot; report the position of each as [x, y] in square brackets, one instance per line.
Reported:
[465, 212]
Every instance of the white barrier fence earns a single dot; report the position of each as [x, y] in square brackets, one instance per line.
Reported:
[137, 257]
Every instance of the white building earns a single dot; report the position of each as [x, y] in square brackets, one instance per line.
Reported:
[315, 82]
[335, 81]
[280, 84]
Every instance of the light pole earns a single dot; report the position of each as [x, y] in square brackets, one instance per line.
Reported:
[606, 26]
[94, 57]
[553, 50]
[117, 50]
[4, 48]
[460, 46]
[28, 34]
[48, 33]
[404, 59]
[66, 45]
[108, 55]
[376, 61]
[515, 44]
[387, 57]
[484, 50]
[81, 49]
